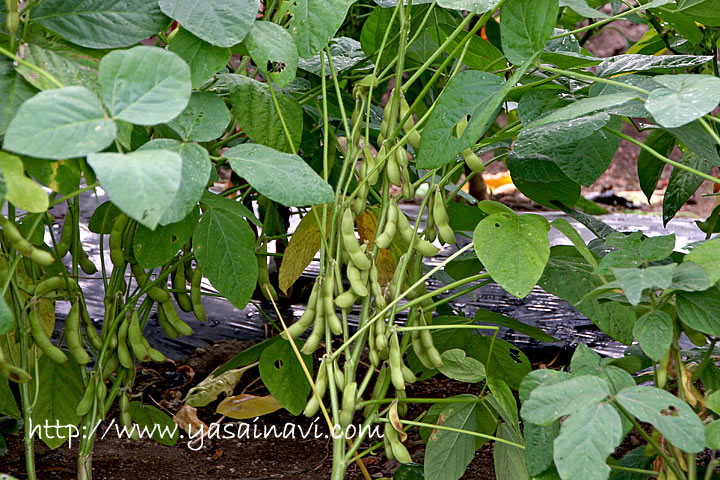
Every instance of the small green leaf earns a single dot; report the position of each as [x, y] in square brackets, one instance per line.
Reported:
[634, 280]
[581, 8]
[649, 167]
[255, 111]
[204, 119]
[157, 95]
[654, 332]
[657, 248]
[537, 378]
[462, 368]
[675, 419]
[102, 218]
[60, 123]
[223, 242]
[707, 256]
[154, 248]
[273, 50]
[194, 176]
[58, 397]
[526, 27]
[690, 277]
[700, 310]
[584, 107]
[486, 316]
[683, 184]
[479, 53]
[639, 63]
[101, 23]
[548, 403]
[541, 180]
[683, 98]
[284, 377]
[315, 22]
[155, 422]
[222, 23]
[712, 435]
[282, 177]
[142, 184]
[345, 53]
[203, 58]
[586, 439]
[21, 191]
[513, 249]
[585, 361]
[544, 138]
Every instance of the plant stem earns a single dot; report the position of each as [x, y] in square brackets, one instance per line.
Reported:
[592, 78]
[633, 470]
[32, 67]
[293, 148]
[468, 432]
[599, 23]
[662, 157]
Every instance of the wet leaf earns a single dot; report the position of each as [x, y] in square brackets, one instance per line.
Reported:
[683, 98]
[526, 27]
[639, 63]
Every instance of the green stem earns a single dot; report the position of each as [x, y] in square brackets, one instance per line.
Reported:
[290, 140]
[73, 194]
[599, 23]
[620, 468]
[662, 157]
[32, 67]
[420, 400]
[467, 432]
[592, 79]
[710, 130]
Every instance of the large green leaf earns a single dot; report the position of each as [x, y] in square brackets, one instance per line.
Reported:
[158, 425]
[479, 54]
[283, 375]
[509, 460]
[694, 137]
[539, 446]
[448, 454]
[462, 368]
[541, 180]
[154, 248]
[586, 439]
[101, 23]
[223, 242]
[526, 27]
[475, 6]
[675, 420]
[649, 167]
[15, 91]
[634, 280]
[683, 184]
[282, 177]
[20, 190]
[144, 85]
[569, 276]
[486, 316]
[585, 106]
[707, 256]
[514, 250]
[255, 111]
[315, 22]
[344, 52]
[67, 65]
[468, 93]
[203, 58]
[700, 310]
[682, 99]
[62, 176]
[194, 176]
[60, 123]
[703, 11]
[549, 136]
[654, 332]
[273, 50]
[57, 399]
[8, 404]
[7, 319]
[204, 119]
[548, 403]
[223, 23]
[142, 184]
[637, 63]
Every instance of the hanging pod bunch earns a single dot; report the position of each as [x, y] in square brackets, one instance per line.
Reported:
[307, 318]
[321, 382]
[409, 126]
[423, 344]
[66, 241]
[394, 448]
[23, 246]
[16, 374]
[421, 246]
[347, 231]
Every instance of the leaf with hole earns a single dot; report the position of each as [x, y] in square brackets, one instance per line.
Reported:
[283, 375]
[282, 177]
[154, 248]
[222, 23]
[513, 249]
[273, 50]
[144, 85]
[60, 123]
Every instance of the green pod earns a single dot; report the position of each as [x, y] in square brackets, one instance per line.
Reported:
[473, 162]
[135, 338]
[442, 220]
[313, 341]
[54, 284]
[172, 316]
[42, 340]
[122, 350]
[349, 397]
[115, 243]
[339, 375]
[392, 168]
[401, 453]
[16, 374]
[384, 240]
[402, 407]
[395, 361]
[111, 364]
[408, 374]
[155, 293]
[346, 299]
[72, 335]
[66, 235]
[347, 227]
[24, 247]
[179, 290]
[196, 295]
[166, 326]
[355, 277]
[373, 171]
[125, 417]
[85, 263]
[86, 402]
[422, 246]
[313, 405]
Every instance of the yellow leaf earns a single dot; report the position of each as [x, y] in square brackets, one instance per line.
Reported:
[302, 248]
[21, 191]
[367, 223]
[246, 406]
[209, 389]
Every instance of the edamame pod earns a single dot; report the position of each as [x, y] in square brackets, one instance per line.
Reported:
[87, 399]
[63, 246]
[166, 326]
[135, 338]
[313, 404]
[155, 293]
[125, 418]
[393, 169]
[85, 263]
[179, 290]
[355, 277]
[372, 169]
[313, 341]
[122, 350]
[196, 295]
[395, 360]
[346, 299]
[442, 220]
[339, 375]
[42, 340]
[54, 284]
[348, 235]
[329, 306]
[422, 246]
[172, 316]
[72, 335]
[24, 247]
[384, 240]
[115, 242]
[16, 374]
